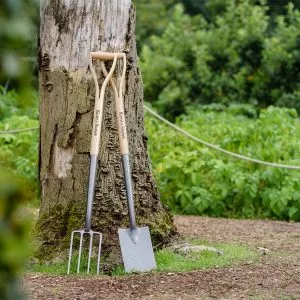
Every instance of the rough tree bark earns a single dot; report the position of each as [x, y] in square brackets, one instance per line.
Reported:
[69, 30]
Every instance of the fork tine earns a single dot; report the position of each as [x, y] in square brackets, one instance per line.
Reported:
[80, 250]
[99, 253]
[90, 251]
[92, 234]
[70, 253]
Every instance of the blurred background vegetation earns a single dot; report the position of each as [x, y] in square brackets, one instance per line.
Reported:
[226, 71]
[246, 53]
[18, 153]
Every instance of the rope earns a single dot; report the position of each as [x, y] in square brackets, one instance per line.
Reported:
[236, 155]
[239, 156]
[18, 130]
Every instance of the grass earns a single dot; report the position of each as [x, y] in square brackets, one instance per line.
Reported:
[54, 269]
[174, 262]
[61, 268]
[169, 261]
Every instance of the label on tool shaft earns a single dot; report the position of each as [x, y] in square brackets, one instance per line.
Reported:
[96, 123]
[122, 132]
[122, 125]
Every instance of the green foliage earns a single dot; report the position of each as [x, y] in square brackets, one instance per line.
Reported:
[19, 152]
[210, 9]
[239, 57]
[17, 35]
[193, 179]
[276, 6]
[13, 104]
[152, 16]
[14, 234]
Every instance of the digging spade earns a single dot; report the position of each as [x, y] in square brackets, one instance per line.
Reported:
[135, 242]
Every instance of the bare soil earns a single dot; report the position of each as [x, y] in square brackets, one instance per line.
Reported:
[274, 275]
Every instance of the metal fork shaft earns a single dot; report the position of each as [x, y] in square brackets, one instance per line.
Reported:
[91, 191]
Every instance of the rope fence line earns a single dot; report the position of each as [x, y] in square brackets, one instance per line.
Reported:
[239, 156]
[185, 133]
[18, 130]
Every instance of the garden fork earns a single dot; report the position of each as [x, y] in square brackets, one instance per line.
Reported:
[97, 121]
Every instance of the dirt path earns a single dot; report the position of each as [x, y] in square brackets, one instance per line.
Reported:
[275, 275]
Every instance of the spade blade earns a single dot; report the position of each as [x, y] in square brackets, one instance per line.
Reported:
[139, 256]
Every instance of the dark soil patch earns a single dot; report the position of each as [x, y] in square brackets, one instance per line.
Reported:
[275, 275]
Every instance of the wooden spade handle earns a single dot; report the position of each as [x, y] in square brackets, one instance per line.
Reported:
[122, 126]
[124, 149]
[121, 122]
[106, 56]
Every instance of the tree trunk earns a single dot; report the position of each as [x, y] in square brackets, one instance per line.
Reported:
[69, 30]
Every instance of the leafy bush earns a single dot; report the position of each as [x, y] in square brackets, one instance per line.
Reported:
[17, 35]
[209, 9]
[14, 235]
[14, 104]
[193, 179]
[240, 57]
[17, 39]
[152, 18]
[19, 152]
